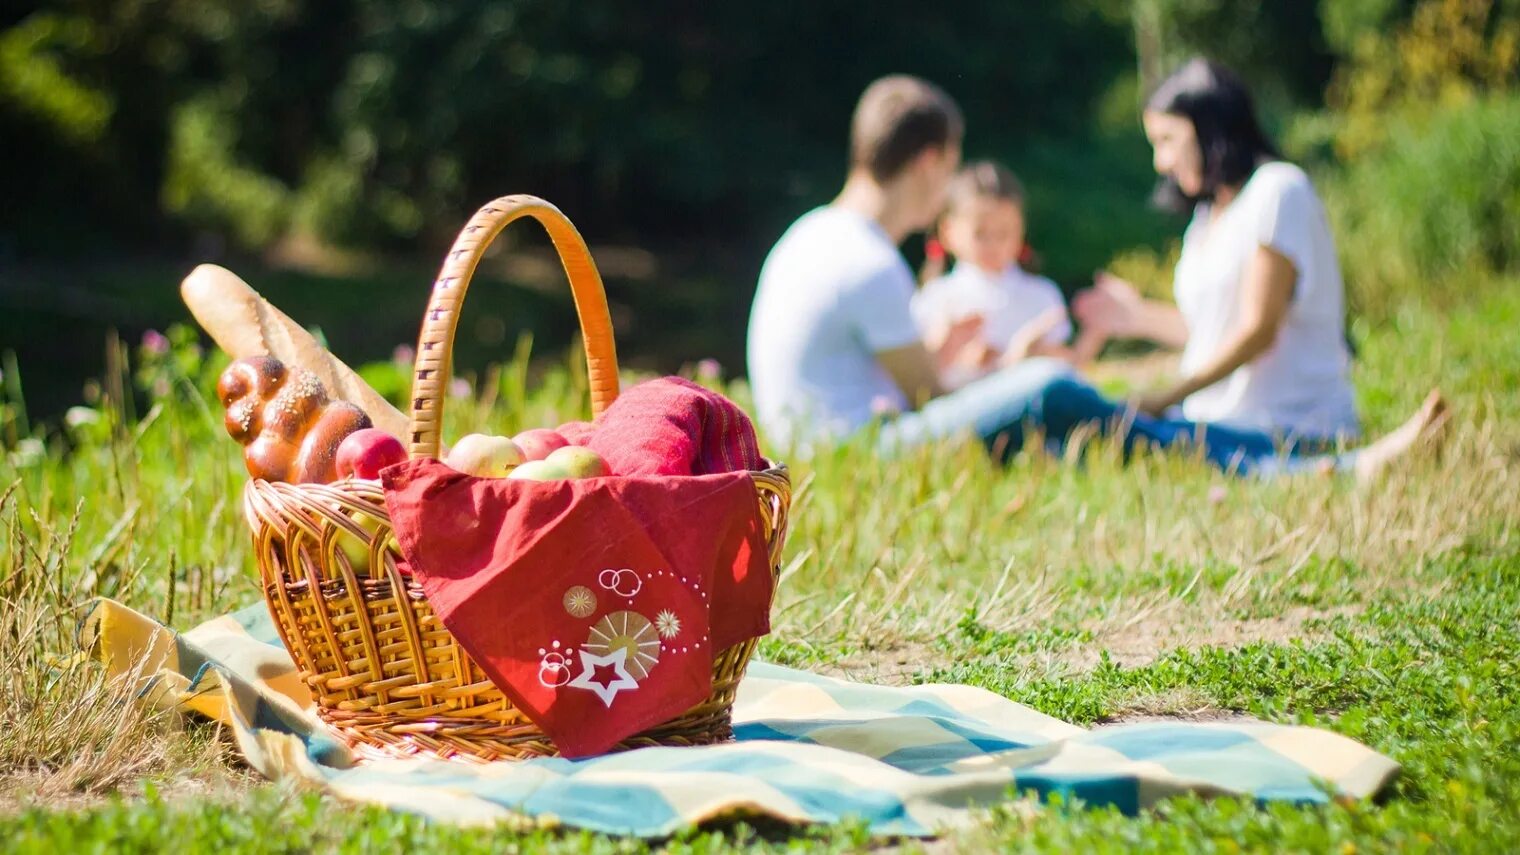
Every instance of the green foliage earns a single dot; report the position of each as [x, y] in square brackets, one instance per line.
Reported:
[1438, 202]
[1148, 270]
[1069, 182]
[378, 124]
[1276, 44]
[207, 186]
[1347, 22]
[32, 78]
[1447, 53]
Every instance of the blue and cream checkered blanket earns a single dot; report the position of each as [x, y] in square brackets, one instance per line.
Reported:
[905, 761]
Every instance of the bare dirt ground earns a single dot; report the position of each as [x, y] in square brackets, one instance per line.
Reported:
[1130, 646]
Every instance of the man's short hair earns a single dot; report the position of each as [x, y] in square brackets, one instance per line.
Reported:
[897, 118]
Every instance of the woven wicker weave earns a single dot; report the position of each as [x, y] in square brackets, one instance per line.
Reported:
[385, 674]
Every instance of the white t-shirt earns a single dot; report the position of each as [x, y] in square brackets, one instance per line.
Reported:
[833, 292]
[1301, 385]
[1006, 301]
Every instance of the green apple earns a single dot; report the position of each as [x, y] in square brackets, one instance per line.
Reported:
[539, 470]
[579, 462]
[484, 456]
[358, 550]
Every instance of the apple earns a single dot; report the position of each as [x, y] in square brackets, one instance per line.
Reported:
[358, 550]
[363, 453]
[578, 461]
[539, 470]
[484, 456]
[539, 443]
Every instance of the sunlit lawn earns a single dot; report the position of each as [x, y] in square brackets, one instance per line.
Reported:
[1091, 592]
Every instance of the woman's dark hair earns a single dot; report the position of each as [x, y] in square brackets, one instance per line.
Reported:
[1223, 114]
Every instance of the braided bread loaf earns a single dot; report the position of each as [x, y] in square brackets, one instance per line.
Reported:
[288, 426]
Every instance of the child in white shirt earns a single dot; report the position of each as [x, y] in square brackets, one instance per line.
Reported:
[1021, 314]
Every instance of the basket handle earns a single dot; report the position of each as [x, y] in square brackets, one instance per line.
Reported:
[435, 344]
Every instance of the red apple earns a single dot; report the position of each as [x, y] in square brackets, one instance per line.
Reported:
[539, 443]
[578, 462]
[484, 456]
[363, 453]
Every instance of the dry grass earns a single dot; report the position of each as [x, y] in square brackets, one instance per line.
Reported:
[64, 726]
[67, 731]
[1164, 552]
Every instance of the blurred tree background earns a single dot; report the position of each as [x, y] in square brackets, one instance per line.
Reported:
[329, 150]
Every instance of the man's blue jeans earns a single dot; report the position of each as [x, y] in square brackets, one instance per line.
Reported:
[1047, 395]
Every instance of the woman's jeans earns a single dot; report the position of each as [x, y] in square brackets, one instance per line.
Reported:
[1047, 395]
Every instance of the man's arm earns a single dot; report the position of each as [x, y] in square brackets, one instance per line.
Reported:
[912, 369]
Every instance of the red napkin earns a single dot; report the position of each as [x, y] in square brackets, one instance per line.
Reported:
[672, 426]
[576, 433]
[596, 605]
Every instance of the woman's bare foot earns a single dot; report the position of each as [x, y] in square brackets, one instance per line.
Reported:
[1426, 427]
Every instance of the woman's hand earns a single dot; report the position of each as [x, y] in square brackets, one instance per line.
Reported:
[1156, 403]
[1112, 305]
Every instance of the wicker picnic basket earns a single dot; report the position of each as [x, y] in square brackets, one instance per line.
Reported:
[384, 672]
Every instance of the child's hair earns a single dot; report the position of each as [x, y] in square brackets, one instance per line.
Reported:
[983, 179]
[897, 118]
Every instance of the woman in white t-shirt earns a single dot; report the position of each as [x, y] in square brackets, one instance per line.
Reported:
[1260, 311]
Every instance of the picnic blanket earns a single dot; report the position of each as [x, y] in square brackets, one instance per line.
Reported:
[905, 761]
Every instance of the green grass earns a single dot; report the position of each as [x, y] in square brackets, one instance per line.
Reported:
[1092, 593]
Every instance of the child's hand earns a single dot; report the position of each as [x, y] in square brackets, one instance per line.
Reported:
[964, 331]
[949, 339]
[977, 357]
[957, 346]
[1032, 333]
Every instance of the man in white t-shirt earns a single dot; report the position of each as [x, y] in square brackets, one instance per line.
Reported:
[832, 342]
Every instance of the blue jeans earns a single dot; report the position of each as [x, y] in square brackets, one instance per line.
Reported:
[1047, 395]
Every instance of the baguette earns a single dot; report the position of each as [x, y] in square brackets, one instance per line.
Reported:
[244, 324]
